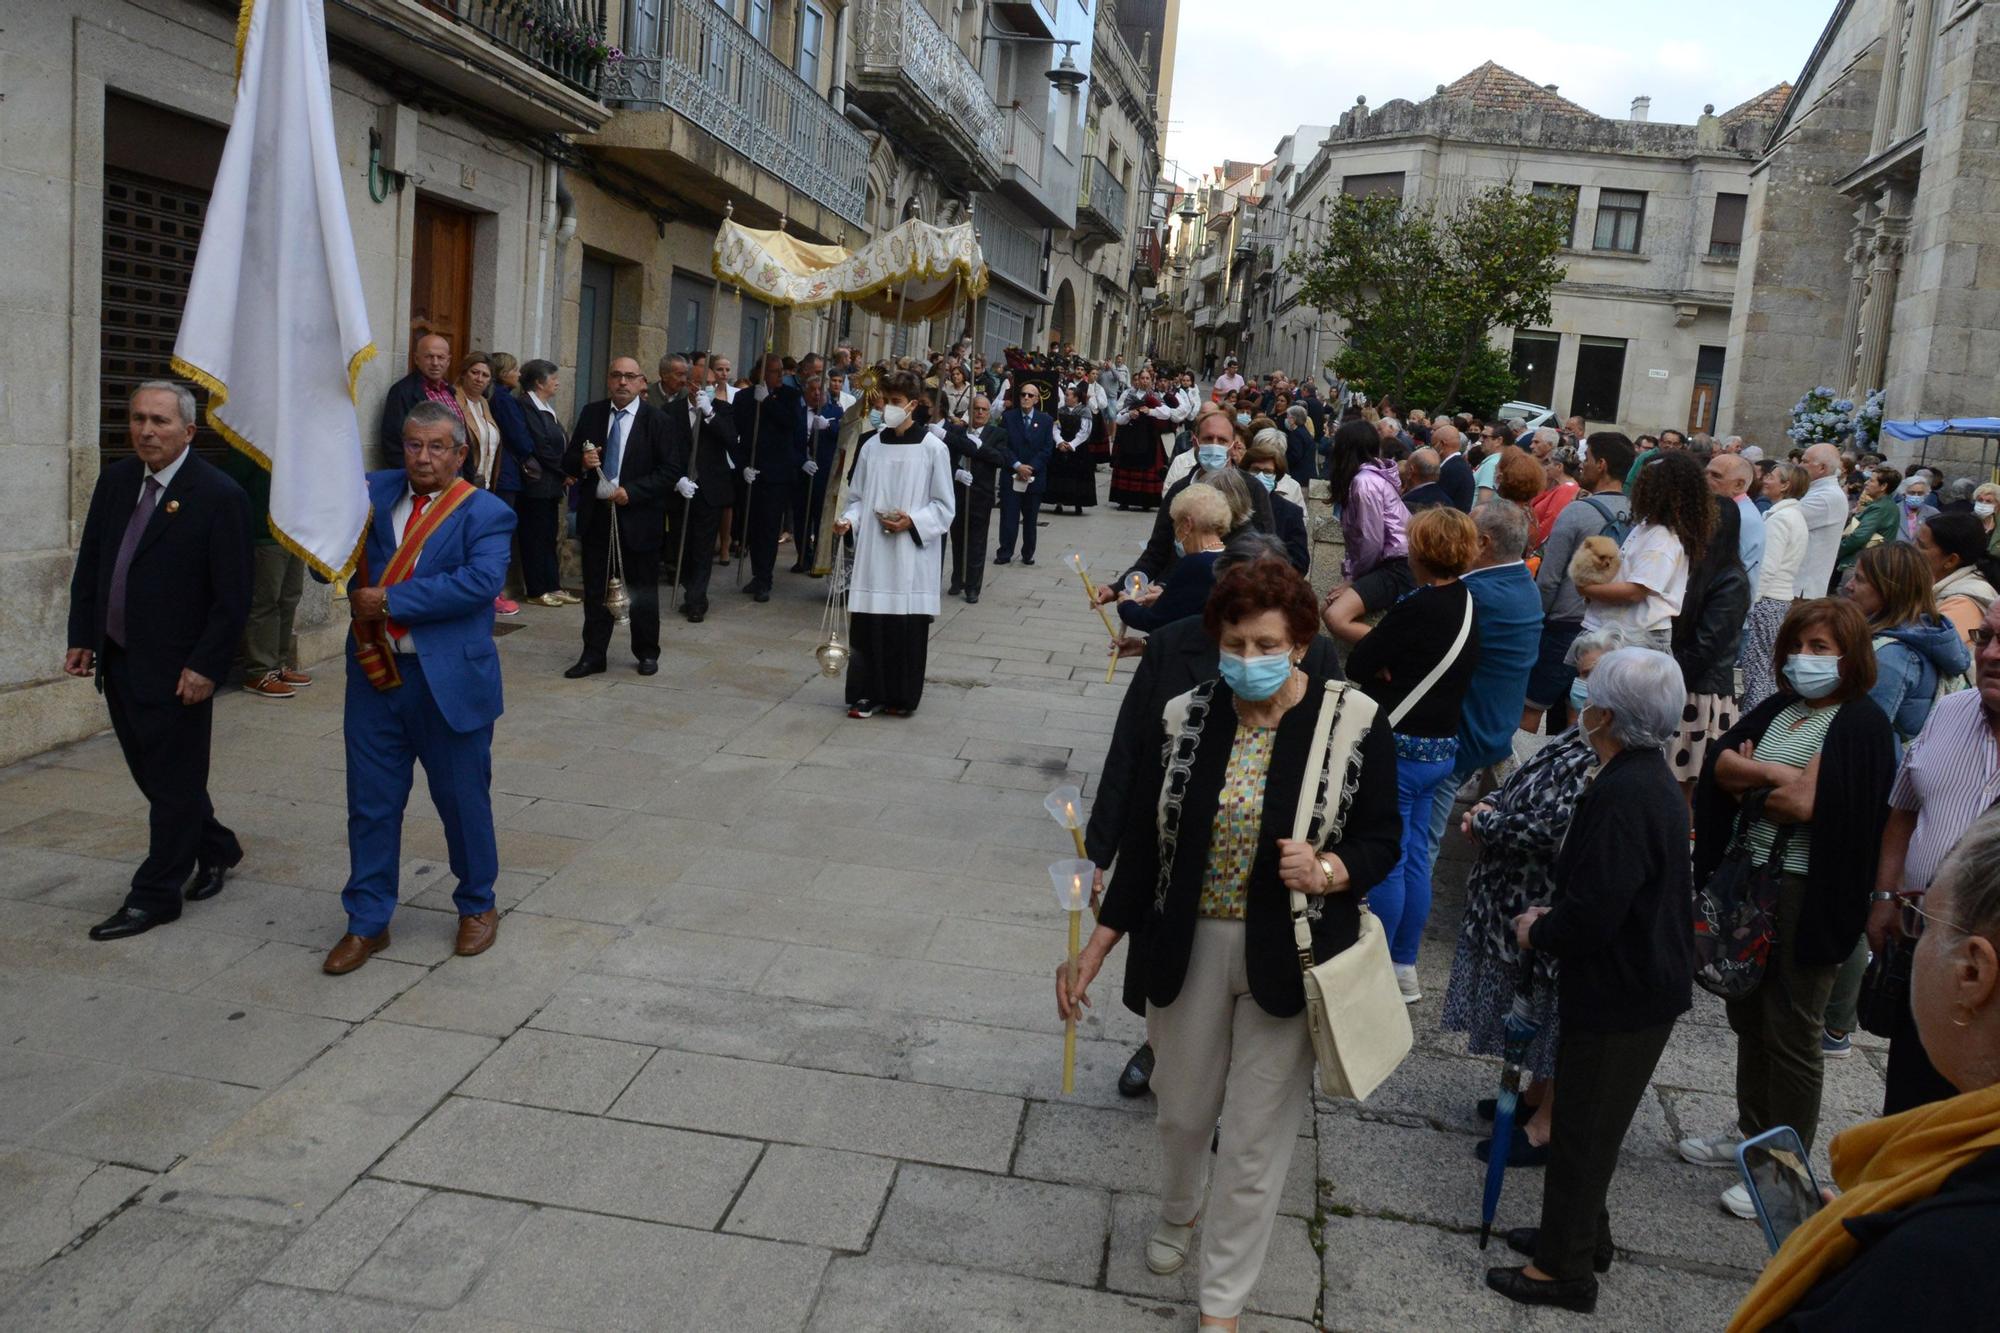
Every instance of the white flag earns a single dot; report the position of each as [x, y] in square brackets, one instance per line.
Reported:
[275, 327]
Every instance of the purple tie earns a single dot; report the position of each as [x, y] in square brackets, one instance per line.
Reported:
[142, 513]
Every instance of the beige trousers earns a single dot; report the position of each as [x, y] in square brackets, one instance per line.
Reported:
[1221, 1055]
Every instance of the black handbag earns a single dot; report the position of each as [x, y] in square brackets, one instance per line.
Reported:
[1736, 911]
[1885, 988]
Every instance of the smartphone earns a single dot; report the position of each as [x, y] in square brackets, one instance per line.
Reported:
[1778, 1173]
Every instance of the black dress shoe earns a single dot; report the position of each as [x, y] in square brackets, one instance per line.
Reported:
[801, 567]
[585, 667]
[1521, 1240]
[129, 921]
[954, 590]
[207, 881]
[696, 617]
[1521, 1153]
[649, 666]
[761, 595]
[1003, 559]
[1138, 1073]
[1578, 1294]
[1027, 560]
[972, 599]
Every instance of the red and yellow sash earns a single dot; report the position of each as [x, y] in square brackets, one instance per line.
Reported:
[372, 648]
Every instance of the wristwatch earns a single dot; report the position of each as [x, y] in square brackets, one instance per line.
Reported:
[1326, 871]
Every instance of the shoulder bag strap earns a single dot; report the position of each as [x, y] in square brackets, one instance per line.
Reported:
[1414, 697]
[1302, 817]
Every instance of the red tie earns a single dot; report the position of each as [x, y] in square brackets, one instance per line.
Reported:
[418, 503]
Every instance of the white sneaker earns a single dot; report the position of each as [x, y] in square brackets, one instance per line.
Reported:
[1719, 1150]
[1406, 982]
[1166, 1249]
[1736, 1202]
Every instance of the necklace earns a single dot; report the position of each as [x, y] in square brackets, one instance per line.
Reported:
[1265, 714]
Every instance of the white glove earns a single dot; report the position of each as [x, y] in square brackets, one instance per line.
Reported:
[1123, 418]
[686, 488]
[705, 400]
[936, 431]
[810, 468]
[821, 423]
[750, 475]
[762, 392]
[962, 477]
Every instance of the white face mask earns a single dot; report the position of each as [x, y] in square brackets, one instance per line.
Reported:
[1983, 508]
[895, 416]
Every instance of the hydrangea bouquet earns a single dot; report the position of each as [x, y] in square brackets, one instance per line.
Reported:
[1821, 418]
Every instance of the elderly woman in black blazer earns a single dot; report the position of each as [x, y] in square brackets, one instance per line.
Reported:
[1618, 920]
[1206, 864]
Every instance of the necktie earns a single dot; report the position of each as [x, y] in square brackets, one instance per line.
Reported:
[418, 503]
[135, 528]
[614, 452]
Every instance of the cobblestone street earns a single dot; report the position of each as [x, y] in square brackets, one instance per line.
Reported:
[767, 1041]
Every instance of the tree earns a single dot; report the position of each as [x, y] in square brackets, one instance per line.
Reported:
[1419, 290]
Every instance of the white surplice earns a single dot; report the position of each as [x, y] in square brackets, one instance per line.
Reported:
[893, 575]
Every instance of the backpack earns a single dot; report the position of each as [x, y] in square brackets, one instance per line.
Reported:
[1617, 529]
[1736, 911]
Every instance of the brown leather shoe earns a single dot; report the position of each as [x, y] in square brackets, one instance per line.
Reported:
[477, 933]
[352, 952]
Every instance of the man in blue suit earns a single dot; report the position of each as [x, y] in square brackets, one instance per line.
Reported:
[1031, 442]
[423, 683]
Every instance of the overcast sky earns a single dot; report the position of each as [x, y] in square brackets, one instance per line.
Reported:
[1249, 72]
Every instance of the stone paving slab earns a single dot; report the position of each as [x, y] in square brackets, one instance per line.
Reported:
[47, 1198]
[915, 1122]
[436, 1253]
[339, 1241]
[604, 1165]
[573, 1270]
[147, 1268]
[147, 1120]
[973, 1220]
[813, 1196]
[557, 1072]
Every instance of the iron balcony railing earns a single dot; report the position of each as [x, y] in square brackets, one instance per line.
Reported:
[900, 46]
[1103, 194]
[562, 38]
[1022, 138]
[706, 66]
[1012, 250]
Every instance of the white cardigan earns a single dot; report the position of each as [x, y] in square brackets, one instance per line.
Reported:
[1784, 551]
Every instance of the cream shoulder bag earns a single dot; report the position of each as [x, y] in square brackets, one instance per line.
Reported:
[1360, 1025]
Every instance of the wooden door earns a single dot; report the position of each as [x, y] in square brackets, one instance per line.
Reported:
[1701, 409]
[441, 276]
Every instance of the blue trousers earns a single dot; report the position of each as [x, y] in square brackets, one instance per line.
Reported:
[1020, 514]
[1402, 901]
[387, 732]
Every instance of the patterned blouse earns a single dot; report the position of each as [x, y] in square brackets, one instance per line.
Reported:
[1794, 738]
[1239, 821]
[1518, 840]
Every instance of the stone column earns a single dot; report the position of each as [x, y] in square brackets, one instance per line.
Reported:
[1857, 291]
[1918, 33]
[1879, 306]
[1887, 91]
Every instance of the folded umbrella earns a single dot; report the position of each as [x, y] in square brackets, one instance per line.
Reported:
[1521, 1027]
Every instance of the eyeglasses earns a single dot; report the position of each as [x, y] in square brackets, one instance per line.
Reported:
[627, 375]
[1915, 918]
[1983, 637]
[444, 450]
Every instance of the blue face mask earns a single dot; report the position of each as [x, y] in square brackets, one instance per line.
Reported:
[1579, 695]
[1270, 479]
[1913, 502]
[1242, 418]
[1180, 547]
[1256, 678]
[1211, 456]
[1813, 677]
[874, 418]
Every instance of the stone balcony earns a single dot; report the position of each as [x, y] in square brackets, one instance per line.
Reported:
[909, 73]
[541, 67]
[708, 69]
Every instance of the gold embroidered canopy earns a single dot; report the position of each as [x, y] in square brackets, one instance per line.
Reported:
[915, 271]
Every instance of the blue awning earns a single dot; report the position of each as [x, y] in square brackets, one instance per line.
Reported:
[1917, 430]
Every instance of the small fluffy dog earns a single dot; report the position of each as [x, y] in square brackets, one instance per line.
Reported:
[1595, 562]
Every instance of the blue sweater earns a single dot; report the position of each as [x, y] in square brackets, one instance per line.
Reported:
[1185, 594]
[1508, 623]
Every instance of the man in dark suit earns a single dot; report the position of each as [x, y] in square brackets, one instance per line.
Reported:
[423, 684]
[618, 453]
[429, 382]
[159, 598]
[823, 441]
[1031, 442]
[772, 463]
[539, 505]
[1421, 489]
[978, 453]
[701, 439]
